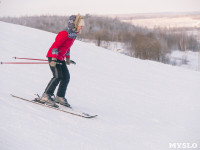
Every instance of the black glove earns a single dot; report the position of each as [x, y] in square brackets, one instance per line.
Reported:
[72, 62]
[68, 61]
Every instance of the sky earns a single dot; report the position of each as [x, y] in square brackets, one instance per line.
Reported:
[67, 7]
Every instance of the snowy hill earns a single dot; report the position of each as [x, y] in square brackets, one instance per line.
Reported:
[142, 105]
[187, 59]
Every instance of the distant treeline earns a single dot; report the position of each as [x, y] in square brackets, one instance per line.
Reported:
[140, 42]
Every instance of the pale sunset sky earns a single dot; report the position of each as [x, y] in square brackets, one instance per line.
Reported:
[99, 7]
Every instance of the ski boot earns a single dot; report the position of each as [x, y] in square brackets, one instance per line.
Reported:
[48, 100]
[62, 101]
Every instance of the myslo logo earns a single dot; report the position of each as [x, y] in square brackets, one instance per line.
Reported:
[183, 145]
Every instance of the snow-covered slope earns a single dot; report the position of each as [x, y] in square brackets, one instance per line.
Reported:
[141, 105]
[187, 59]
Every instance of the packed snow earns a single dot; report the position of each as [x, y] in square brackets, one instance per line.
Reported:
[186, 59]
[141, 105]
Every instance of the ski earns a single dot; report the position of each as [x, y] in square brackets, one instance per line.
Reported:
[65, 110]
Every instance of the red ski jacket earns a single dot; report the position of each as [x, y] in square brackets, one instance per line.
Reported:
[60, 49]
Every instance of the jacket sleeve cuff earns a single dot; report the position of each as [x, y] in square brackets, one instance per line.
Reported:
[55, 56]
[68, 56]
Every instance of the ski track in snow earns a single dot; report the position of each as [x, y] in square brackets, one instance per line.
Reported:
[140, 104]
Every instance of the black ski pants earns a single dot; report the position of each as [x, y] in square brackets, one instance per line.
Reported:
[61, 76]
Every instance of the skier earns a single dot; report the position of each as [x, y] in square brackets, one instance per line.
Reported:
[57, 53]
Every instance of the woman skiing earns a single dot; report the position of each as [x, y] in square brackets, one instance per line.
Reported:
[58, 52]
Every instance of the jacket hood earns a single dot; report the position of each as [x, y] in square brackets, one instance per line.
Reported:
[71, 22]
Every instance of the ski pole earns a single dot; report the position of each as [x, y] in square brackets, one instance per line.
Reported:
[30, 59]
[73, 62]
[24, 63]
[28, 63]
